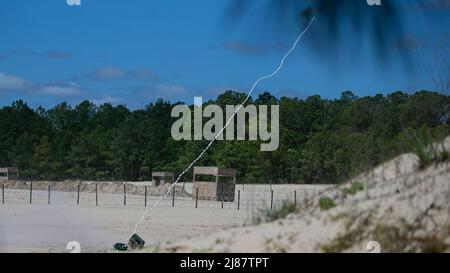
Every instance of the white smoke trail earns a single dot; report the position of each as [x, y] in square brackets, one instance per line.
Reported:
[155, 204]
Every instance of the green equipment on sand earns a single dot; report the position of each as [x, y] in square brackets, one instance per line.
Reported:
[136, 242]
[120, 246]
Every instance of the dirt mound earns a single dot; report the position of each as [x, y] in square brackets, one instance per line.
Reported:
[102, 187]
[396, 207]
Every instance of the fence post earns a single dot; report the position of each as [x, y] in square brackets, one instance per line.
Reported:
[145, 196]
[3, 193]
[271, 199]
[96, 195]
[124, 194]
[49, 194]
[173, 197]
[305, 198]
[295, 198]
[196, 198]
[223, 197]
[31, 191]
[239, 198]
[78, 194]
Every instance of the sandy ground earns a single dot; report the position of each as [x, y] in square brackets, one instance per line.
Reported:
[40, 227]
[397, 198]
[43, 228]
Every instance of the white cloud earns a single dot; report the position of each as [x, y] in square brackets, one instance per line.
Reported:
[167, 89]
[107, 99]
[57, 55]
[71, 90]
[61, 90]
[141, 73]
[116, 73]
[13, 83]
[107, 73]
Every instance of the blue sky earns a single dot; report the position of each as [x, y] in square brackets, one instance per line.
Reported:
[133, 52]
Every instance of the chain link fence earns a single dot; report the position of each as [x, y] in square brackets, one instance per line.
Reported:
[141, 195]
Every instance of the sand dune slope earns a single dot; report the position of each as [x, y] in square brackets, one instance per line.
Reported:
[402, 208]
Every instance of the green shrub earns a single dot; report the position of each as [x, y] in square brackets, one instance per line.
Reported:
[326, 203]
[354, 188]
[420, 142]
[269, 215]
[444, 155]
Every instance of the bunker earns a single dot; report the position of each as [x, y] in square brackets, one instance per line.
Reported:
[162, 177]
[213, 183]
[9, 173]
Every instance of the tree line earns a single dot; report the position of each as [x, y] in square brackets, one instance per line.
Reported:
[321, 140]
